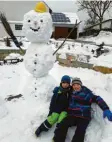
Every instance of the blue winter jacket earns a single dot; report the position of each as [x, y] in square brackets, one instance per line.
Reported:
[80, 103]
[59, 100]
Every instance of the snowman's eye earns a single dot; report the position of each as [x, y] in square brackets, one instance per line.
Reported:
[29, 21]
[41, 21]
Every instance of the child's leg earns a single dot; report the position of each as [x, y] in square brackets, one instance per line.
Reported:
[53, 118]
[61, 131]
[42, 128]
[62, 115]
[47, 124]
[80, 130]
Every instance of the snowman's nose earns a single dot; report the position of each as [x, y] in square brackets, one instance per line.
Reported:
[35, 23]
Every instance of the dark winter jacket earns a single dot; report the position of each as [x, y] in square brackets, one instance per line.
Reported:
[80, 103]
[60, 100]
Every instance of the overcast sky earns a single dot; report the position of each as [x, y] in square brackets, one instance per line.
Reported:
[15, 10]
[56, 5]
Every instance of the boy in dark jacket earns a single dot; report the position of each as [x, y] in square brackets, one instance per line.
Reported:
[58, 106]
[79, 112]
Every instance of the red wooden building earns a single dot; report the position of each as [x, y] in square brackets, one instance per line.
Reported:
[63, 24]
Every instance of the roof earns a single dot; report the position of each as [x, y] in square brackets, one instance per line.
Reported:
[73, 17]
[66, 18]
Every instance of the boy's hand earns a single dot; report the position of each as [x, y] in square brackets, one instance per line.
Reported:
[107, 113]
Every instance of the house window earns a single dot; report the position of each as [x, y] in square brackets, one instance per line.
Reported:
[18, 27]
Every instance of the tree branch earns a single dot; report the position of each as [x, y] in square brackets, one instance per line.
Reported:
[95, 8]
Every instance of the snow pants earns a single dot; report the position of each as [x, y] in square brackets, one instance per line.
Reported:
[56, 117]
[61, 131]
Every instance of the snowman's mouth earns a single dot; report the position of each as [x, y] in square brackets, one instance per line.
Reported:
[35, 30]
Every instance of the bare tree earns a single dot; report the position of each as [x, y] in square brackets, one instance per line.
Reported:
[95, 9]
[92, 19]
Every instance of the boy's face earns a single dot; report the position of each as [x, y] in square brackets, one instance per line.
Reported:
[76, 87]
[65, 84]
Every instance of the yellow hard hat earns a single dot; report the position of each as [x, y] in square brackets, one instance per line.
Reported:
[40, 7]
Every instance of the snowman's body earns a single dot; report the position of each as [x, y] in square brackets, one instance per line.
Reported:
[39, 57]
[38, 61]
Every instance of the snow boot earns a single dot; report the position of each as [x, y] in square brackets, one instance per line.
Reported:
[38, 132]
[44, 127]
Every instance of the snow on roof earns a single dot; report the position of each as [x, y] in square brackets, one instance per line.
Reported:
[72, 16]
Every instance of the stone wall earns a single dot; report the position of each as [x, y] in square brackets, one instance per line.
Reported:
[82, 61]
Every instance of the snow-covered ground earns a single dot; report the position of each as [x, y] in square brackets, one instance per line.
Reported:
[21, 116]
[13, 46]
[72, 47]
[14, 56]
[104, 36]
[76, 48]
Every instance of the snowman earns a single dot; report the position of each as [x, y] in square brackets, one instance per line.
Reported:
[39, 59]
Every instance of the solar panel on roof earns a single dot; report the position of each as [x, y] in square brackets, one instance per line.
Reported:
[60, 17]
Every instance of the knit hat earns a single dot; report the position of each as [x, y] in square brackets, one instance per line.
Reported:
[66, 78]
[76, 80]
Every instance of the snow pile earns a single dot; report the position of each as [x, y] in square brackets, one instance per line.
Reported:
[62, 56]
[14, 56]
[27, 113]
[103, 60]
[101, 85]
[71, 47]
[103, 36]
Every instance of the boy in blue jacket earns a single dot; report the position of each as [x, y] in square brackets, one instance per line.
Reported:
[58, 106]
[79, 112]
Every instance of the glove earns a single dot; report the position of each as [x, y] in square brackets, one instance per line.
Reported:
[107, 113]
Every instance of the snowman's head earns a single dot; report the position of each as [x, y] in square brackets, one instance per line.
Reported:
[37, 27]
